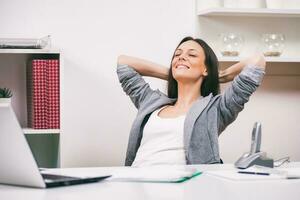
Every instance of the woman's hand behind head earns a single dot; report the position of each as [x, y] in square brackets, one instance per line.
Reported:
[257, 60]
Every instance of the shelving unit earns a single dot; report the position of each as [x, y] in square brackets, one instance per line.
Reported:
[268, 59]
[276, 102]
[29, 51]
[252, 23]
[262, 12]
[44, 143]
[40, 131]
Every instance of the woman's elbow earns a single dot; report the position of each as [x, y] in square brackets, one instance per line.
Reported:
[257, 60]
[261, 61]
[122, 59]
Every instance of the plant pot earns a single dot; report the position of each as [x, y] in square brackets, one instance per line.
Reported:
[5, 101]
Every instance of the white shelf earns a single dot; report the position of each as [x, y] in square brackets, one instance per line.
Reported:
[29, 51]
[40, 131]
[262, 12]
[268, 59]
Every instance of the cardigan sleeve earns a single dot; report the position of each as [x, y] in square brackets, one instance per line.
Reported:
[232, 101]
[133, 85]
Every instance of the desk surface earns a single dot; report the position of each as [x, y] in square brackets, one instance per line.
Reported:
[201, 187]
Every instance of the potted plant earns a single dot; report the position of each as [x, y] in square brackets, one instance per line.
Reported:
[5, 95]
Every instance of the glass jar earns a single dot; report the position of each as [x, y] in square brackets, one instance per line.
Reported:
[273, 44]
[231, 44]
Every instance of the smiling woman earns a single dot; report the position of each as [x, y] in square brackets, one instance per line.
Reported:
[202, 63]
[183, 127]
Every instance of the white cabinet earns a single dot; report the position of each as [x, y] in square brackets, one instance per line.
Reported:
[251, 24]
[44, 143]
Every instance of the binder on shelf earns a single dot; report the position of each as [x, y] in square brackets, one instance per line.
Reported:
[53, 94]
[43, 94]
[37, 94]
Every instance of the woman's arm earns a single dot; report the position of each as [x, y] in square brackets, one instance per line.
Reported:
[130, 71]
[229, 73]
[144, 67]
[232, 101]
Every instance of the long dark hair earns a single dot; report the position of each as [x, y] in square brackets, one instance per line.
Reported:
[210, 82]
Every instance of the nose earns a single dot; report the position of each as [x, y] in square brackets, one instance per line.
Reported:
[182, 57]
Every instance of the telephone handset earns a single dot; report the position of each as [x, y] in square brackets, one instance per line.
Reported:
[256, 138]
[255, 156]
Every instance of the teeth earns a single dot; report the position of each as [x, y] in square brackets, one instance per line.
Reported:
[182, 67]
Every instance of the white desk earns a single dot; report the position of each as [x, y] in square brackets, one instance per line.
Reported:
[201, 187]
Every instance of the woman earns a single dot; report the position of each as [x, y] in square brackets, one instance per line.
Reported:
[183, 127]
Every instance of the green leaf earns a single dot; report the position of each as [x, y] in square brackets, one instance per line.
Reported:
[5, 93]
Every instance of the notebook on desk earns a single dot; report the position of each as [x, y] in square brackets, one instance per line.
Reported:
[157, 174]
[18, 166]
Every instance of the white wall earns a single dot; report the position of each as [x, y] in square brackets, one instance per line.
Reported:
[91, 34]
[97, 115]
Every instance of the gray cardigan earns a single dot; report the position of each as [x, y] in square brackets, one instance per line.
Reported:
[205, 120]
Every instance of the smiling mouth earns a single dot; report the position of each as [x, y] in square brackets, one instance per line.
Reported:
[182, 67]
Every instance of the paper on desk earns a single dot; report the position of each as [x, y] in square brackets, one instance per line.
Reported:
[283, 173]
[288, 173]
[170, 174]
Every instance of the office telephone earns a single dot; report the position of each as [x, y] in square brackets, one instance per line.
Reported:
[254, 156]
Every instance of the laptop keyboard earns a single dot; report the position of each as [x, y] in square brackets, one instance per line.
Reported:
[56, 177]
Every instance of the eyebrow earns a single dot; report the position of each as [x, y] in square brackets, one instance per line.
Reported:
[188, 49]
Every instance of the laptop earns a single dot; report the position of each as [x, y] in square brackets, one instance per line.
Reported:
[17, 164]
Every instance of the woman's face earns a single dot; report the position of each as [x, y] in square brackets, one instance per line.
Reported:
[188, 62]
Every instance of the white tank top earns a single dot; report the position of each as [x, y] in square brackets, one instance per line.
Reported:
[162, 142]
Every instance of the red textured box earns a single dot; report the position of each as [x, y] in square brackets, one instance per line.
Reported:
[43, 94]
[37, 94]
[53, 118]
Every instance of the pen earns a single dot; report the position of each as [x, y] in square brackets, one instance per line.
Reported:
[255, 173]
